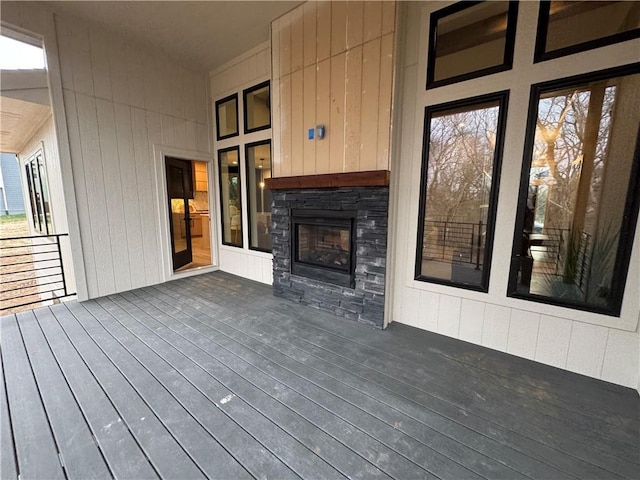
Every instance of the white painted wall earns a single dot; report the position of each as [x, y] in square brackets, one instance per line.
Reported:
[243, 72]
[45, 139]
[596, 345]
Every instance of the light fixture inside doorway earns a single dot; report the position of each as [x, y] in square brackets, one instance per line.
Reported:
[261, 182]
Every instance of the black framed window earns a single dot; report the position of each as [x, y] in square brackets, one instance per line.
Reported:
[579, 192]
[38, 186]
[469, 40]
[230, 196]
[570, 27]
[258, 158]
[462, 151]
[257, 108]
[227, 117]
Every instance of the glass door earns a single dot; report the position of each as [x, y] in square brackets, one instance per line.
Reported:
[179, 191]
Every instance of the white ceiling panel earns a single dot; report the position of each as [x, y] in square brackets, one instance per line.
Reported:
[202, 35]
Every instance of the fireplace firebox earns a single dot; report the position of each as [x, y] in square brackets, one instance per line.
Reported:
[323, 246]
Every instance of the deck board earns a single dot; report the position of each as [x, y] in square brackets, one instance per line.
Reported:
[393, 405]
[173, 369]
[163, 451]
[439, 414]
[36, 450]
[523, 414]
[264, 374]
[80, 454]
[207, 455]
[229, 371]
[118, 445]
[427, 444]
[572, 438]
[403, 454]
[212, 376]
[7, 448]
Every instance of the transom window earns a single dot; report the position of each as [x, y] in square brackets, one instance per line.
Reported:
[227, 117]
[470, 39]
[257, 108]
[570, 27]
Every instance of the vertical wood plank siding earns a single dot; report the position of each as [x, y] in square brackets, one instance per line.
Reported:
[357, 82]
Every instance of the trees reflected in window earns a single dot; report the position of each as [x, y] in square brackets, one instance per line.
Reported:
[459, 187]
[575, 226]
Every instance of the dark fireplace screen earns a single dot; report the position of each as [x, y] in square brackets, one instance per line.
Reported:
[323, 246]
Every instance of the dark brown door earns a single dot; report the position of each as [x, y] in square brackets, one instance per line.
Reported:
[179, 191]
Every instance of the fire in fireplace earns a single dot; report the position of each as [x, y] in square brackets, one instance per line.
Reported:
[323, 245]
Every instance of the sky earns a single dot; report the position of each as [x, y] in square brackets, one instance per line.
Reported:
[16, 55]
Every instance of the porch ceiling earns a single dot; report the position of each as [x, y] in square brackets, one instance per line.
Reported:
[19, 120]
[203, 35]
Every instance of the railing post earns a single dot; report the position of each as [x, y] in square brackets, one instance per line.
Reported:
[444, 240]
[584, 258]
[64, 280]
[479, 245]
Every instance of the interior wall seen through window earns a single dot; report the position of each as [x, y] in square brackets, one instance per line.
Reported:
[576, 212]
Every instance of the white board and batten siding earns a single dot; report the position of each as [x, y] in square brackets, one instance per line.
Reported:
[117, 100]
[245, 71]
[121, 100]
[599, 346]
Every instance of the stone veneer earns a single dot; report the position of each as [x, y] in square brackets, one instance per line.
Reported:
[365, 302]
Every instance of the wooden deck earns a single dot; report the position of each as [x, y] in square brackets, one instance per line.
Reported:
[211, 376]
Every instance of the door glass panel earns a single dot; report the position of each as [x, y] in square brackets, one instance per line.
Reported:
[178, 220]
[200, 218]
[32, 197]
[180, 193]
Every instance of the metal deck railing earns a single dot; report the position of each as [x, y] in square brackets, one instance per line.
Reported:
[31, 271]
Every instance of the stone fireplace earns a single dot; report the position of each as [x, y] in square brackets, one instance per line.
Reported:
[330, 248]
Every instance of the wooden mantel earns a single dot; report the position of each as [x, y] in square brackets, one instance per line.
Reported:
[374, 178]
